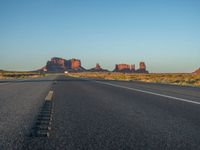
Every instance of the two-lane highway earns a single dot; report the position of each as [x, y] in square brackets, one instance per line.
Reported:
[90, 114]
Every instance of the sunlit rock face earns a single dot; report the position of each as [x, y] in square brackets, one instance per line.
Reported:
[57, 64]
[197, 71]
[123, 68]
[126, 68]
[142, 68]
[60, 65]
[120, 67]
[75, 63]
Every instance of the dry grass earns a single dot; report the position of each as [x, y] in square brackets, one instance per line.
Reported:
[15, 75]
[178, 79]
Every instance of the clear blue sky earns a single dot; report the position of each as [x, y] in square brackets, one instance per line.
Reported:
[163, 33]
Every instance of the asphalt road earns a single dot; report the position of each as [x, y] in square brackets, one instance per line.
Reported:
[20, 101]
[90, 114]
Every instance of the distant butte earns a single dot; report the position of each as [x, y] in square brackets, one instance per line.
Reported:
[57, 64]
[98, 69]
[125, 68]
[60, 65]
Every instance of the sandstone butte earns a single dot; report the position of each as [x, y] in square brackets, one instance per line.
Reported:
[97, 69]
[57, 64]
[130, 68]
[60, 65]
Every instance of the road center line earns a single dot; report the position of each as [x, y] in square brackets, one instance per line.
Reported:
[152, 93]
[49, 96]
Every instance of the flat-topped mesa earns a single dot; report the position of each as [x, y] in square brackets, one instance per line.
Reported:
[55, 64]
[60, 65]
[58, 61]
[120, 67]
[124, 68]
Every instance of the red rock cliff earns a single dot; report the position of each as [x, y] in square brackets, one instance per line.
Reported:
[197, 71]
[75, 63]
[142, 66]
[58, 61]
[120, 67]
[130, 68]
[60, 65]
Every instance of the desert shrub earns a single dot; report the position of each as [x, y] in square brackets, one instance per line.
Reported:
[179, 79]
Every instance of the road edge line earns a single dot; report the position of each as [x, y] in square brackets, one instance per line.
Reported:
[152, 93]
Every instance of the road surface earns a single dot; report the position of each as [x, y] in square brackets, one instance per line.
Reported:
[90, 114]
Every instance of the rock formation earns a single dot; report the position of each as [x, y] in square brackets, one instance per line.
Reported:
[132, 68]
[57, 64]
[142, 68]
[197, 71]
[125, 68]
[75, 63]
[60, 65]
[97, 69]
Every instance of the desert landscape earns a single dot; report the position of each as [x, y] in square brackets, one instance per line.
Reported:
[99, 75]
[121, 72]
[182, 79]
